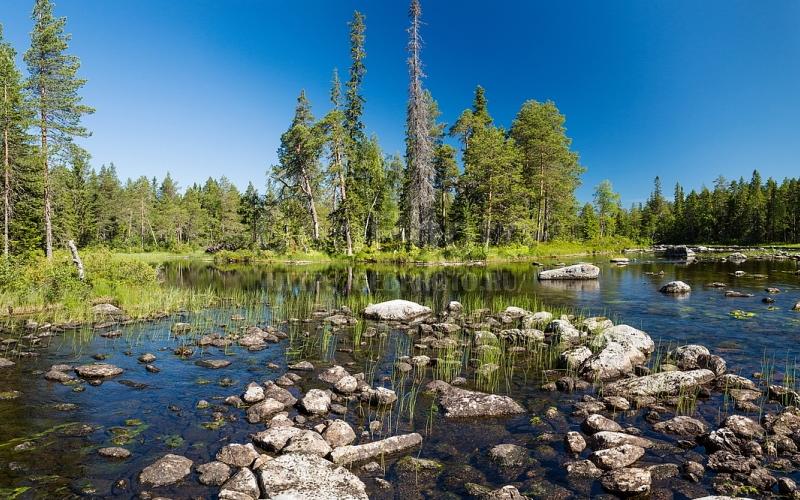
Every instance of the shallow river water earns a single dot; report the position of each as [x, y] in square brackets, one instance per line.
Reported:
[50, 432]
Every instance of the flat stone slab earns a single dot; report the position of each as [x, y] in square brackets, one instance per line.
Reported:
[396, 310]
[167, 470]
[307, 476]
[345, 455]
[214, 364]
[98, 370]
[660, 384]
[575, 272]
[459, 403]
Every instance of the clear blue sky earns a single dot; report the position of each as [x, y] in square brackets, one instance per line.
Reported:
[684, 89]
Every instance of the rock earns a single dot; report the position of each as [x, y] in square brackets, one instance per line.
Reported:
[307, 441]
[508, 455]
[253, 394]
[6, 363]
[165, 471]
[675, 287]
[660, 384]
[179, 328]
[722, 439]
[575, 272]
[537, 319]
[237, 455]
[744, 427]
[114, 452]
[316, 402]
[213, 473]
[731, 381]
[214, 364]
[685, 356]
[339, 433]
[725, 461]
[682, 426]
[98, 371]
[346, 385]
[454, 308]
[262, 410]
[596, 423]
[681, 252]
[613, 362]
[610, 439]
[574, 442]
[596, 324]
[302, 366]
[275, 438]
[458, 402]
[796, 307]
[396, 310]
[274, 391]
[583, 468]
[310, 477]
[563, 331]
[617, 403]
[106, 310]
[711, 362]
[58, 376]
[627, 482]
[693, 471]
[735, 294]
[345, 455]
[627, 336]
[380, 396]
[244, 482]
[617, 458]
[737, 257]
[333, 374]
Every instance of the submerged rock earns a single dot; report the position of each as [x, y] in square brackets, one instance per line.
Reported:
[114, 452]
[575, 272]
[214, 364]
[6, 363]
[660, 384]
[298, 475]
[344, 455]
[98, 370]
[167, 470]
[508, 455]
[262, 410]
[396, 310]
[458, 402]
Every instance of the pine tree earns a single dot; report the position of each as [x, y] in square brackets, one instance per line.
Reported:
[419, 197]
[53, 86]
[299, 154]
[446, 179]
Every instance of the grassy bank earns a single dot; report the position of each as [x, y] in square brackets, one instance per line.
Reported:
[446, 255]
[51, 291]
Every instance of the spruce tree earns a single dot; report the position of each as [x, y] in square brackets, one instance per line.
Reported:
[53, 86]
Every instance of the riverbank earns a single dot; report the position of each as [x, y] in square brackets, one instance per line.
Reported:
[449, 255]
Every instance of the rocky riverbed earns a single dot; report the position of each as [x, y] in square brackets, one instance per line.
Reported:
[394, 401]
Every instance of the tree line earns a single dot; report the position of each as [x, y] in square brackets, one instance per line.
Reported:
[472, 182]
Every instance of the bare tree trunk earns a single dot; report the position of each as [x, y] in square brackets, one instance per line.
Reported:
[488, 217]
[306, 186]
[6, 180]
[419, 151]
[76, 259]
[48, 222]
[348, 237]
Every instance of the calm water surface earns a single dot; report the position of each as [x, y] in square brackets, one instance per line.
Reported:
[155, 413]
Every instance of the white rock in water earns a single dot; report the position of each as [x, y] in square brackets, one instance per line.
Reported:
[627, 336]
[345, 455]
[396, 310]
[308, 476]
[576, 272]
[676, 287]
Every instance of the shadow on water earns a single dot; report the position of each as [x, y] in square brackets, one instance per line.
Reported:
[51, 431]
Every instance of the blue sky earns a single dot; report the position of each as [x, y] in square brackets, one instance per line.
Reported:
[684, 89]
